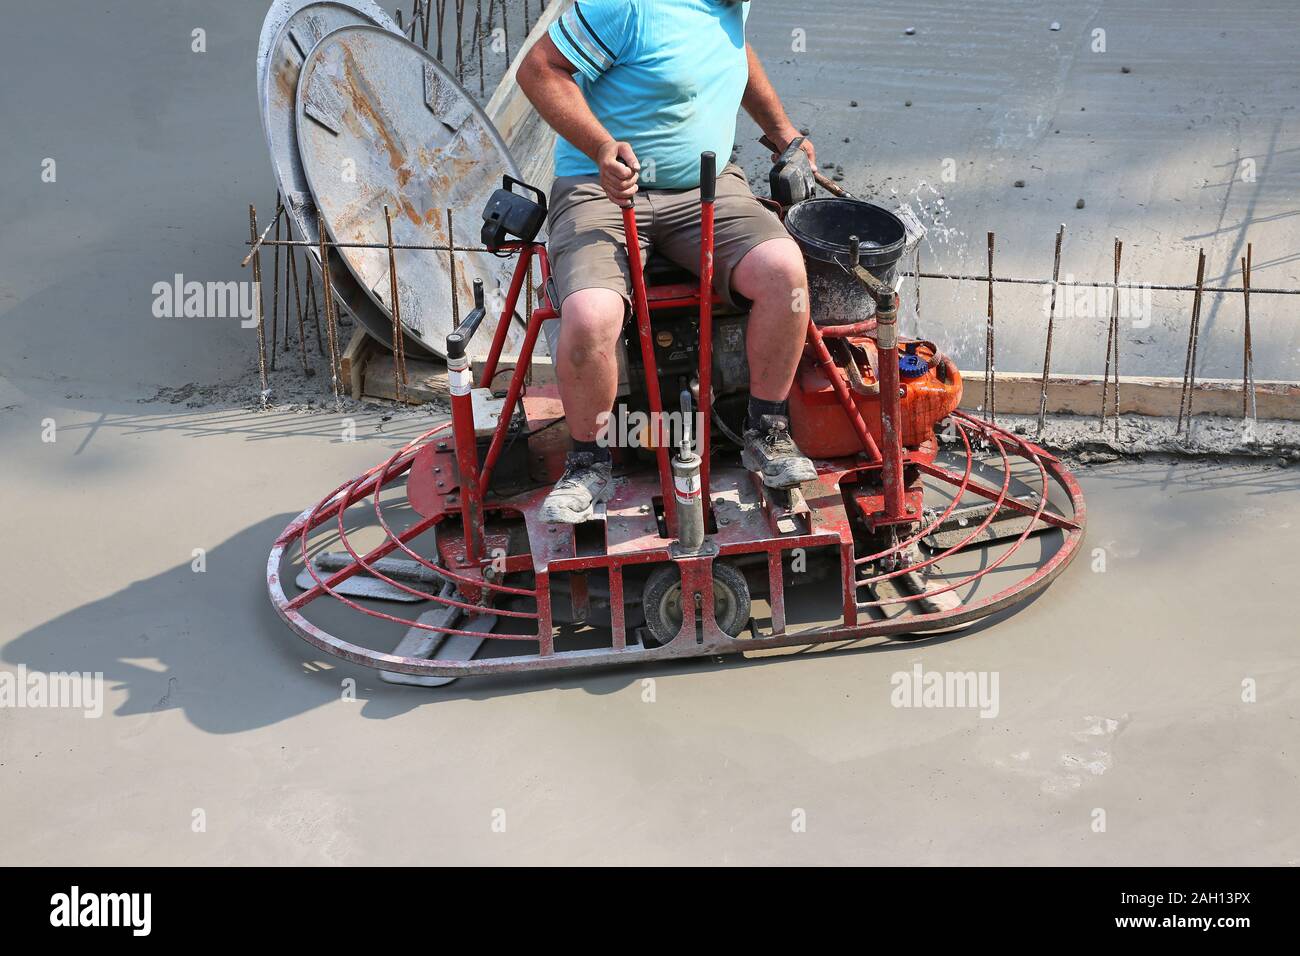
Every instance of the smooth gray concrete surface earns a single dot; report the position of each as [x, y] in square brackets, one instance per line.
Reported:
[1119, 689]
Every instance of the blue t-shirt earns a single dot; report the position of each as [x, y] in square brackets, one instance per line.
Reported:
[666, 76]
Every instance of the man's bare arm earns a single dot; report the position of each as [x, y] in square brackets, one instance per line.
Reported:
[761, 102]
[546, 77]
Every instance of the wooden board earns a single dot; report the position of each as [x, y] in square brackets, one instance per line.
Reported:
[352, 364]
[1018, 394]
[425, 381]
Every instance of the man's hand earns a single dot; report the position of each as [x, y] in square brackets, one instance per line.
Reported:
[619, 170]
[787, 137]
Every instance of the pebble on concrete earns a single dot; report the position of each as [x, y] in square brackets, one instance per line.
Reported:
[1019, 184]
[1079, 204]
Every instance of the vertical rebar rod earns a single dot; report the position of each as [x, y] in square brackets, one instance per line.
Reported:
[451, 260]
[528, 299]
[275, 279]
[990, 362]
[1249, 408]
[399, 344]
[460, 22]
[327, 294]
[1119, 252]
[257, 299]
[314, 304]
[478, 42]
[1196, 341]
[1112, 346]
[916, 289]
[298, 307]
[505, 27]
[1189, 363]
[1051, 323]
[289, 251]
[441, 7]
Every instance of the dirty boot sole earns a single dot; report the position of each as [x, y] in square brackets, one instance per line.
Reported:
[560, 515]
[789, 474]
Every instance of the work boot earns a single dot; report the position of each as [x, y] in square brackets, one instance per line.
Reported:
[585, 481]
[771, 454]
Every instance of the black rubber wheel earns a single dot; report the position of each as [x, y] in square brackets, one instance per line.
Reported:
[662, 601]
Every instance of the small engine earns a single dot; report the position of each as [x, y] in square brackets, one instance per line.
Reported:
[677, 350]
[929, 384]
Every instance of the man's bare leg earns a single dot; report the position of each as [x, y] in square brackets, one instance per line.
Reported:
[772, 277]
[590, 324]
[591, 321]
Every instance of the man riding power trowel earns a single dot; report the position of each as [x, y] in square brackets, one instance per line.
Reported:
[637, 90]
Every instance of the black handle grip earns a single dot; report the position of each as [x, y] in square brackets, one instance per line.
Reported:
[458, 340]
[509, 182]
[708, 176]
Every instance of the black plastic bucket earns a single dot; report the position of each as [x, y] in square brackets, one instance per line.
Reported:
[822, 228]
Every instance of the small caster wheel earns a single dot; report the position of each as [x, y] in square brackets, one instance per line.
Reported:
[662, 602]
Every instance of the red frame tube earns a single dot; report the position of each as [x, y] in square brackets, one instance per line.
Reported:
[524, 264]
[471, 499]
[512, 396]
[842, 392]
[706, 347]
[641, 309]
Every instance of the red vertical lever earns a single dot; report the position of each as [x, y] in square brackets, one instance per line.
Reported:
[641, 310]
[460, 386]
[708, 191]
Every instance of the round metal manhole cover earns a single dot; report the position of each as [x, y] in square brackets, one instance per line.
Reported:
[292, 28]
[381, 122]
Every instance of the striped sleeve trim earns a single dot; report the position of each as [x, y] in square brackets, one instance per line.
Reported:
[581, 44]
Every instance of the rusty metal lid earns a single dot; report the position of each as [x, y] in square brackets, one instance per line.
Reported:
[291, 29]
[381, 122]
[281, 11]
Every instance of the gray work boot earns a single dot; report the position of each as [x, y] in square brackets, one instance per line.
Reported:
[771, 453]
[585, 481]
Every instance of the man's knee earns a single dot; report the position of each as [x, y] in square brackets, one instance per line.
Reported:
[590, 323]
[772, 268]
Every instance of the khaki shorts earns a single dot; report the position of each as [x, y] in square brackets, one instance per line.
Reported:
[586, 244]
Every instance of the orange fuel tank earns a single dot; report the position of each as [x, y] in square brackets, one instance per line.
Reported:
[930, 384]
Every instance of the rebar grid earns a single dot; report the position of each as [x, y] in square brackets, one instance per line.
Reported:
[1110, 379]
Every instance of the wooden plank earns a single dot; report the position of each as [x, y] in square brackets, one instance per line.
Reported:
[425, 381]
[1017, 394]
[353, 362]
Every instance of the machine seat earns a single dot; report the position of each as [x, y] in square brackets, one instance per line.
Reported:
[660, 270]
